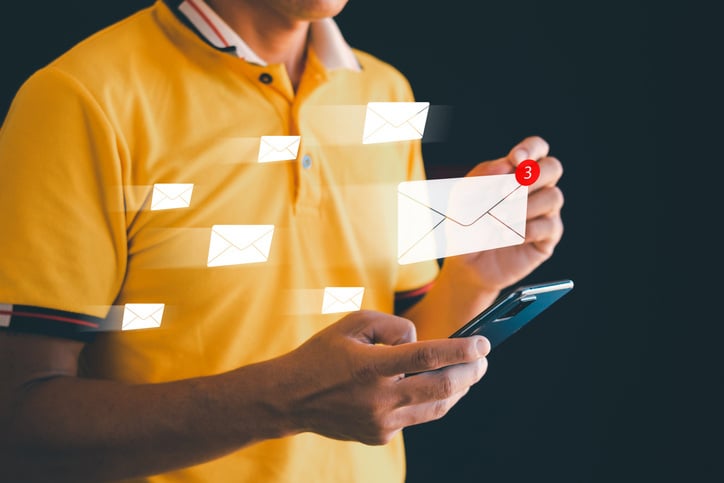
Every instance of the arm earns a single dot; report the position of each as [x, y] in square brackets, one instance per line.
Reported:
[60, 424]
[347, 382]
[469, 283]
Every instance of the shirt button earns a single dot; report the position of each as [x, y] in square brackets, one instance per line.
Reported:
[265, 78]
[306, 161]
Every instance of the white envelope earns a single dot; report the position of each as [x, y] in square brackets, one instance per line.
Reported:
[447, 217]
[239, 244]
[5, 311]
[142, 316]
[278, 148]
[394, 121]
[342, 299]
[169, 196]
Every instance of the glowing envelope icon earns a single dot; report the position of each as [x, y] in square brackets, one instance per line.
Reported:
[278, 148]
[5, 311]
[446, 217]
[170, 196]
[239, 244]
[394, 121]
[142, 316]
[342, 299]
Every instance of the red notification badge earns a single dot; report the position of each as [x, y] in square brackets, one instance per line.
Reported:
[527, 172]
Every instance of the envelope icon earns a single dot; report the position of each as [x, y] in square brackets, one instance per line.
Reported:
[342, 299]
[278, 148]
[239, 244]
[169, 196]
[5, 311]
[446, 217]
[394, 121]
[142, 316]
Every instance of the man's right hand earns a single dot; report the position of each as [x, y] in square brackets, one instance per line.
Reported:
[352, 380]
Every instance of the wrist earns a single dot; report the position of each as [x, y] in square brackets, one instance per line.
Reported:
[465, 286]
[261, 402]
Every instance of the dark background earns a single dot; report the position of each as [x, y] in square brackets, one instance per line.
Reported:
[583, 393]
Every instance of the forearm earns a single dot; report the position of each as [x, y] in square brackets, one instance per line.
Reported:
[454, 299]
[72, 429]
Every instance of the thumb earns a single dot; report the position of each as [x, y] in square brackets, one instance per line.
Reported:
[380, 328]
[488, 168]
[533, 147]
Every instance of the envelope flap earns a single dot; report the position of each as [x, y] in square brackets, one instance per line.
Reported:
[399, 113]
[513, 210]
[280, 143]
[145, 311]
[461, 200]
[173, 190]
[244, 236]
[344, 294]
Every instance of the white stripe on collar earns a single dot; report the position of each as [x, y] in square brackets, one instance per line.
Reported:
[216, 31]
[326, 38]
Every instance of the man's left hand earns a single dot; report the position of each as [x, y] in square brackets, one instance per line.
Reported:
[493, 270]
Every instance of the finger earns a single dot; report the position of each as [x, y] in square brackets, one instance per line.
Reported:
[439, 384]
[545, 201]
[406, 416]
[544, 233]
[489, 168]
[380, 328]
[533, 147]
[530, 148]
[432, 409]
[551, 171]
[429, 355]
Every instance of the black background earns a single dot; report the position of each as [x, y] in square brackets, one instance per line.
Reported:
[582, 393]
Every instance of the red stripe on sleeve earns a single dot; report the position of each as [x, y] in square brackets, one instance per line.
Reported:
[49, 317]
[414, 292]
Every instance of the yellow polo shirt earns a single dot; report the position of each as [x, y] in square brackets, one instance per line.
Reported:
[132, 196]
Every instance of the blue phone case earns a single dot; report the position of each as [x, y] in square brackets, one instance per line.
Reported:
[513, 310]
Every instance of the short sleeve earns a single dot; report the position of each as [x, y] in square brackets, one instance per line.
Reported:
[62, 216]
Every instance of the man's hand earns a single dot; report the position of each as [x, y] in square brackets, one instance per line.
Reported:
[493, 270]
[352, 380]
[469, 283]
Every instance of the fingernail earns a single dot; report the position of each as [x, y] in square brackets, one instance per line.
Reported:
[520, 155]
[483, 346]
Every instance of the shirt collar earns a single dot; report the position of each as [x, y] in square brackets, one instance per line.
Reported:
[325, 37]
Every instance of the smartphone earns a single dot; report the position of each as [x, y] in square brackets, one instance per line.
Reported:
[513, 310]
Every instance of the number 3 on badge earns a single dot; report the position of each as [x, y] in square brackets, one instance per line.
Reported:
[527, 172]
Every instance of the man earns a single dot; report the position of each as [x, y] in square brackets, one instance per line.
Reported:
[243, 378]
